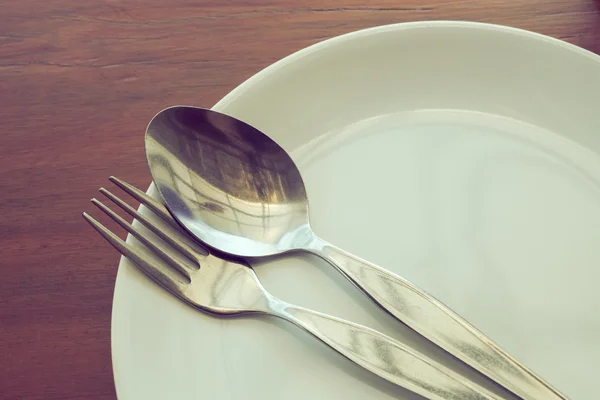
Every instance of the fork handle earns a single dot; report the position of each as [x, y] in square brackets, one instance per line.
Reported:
[438, 323]
[382, 355]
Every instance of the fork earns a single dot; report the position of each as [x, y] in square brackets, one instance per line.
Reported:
[221, 286]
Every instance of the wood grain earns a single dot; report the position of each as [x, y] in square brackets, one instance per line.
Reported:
[78, 82]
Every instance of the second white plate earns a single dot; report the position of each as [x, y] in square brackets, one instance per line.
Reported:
[462, 156]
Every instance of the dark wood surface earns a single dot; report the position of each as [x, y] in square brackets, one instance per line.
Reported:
[79, 80]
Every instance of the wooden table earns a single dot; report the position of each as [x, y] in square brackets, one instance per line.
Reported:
[79, 80]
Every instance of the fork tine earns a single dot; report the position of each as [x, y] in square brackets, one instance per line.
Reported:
[158, 208]
[169, 257]
[184, 248]
[143, 262]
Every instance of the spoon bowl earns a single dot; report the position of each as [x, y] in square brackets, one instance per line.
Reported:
[228, 183]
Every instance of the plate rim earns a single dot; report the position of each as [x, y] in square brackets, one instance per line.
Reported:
[319, 46]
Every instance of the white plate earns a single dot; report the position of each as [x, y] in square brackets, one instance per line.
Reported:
[462, 156]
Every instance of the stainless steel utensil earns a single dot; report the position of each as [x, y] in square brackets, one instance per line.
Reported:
[238, 191]
[224, 287]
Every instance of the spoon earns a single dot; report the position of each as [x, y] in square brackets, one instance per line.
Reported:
[238, 191]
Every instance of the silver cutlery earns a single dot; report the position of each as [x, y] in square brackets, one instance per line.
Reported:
[238, 191]
[225, 287]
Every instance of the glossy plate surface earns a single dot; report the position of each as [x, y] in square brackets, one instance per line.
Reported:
[462, 156]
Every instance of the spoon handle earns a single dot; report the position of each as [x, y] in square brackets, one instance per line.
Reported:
[438, 323]
[382, 355]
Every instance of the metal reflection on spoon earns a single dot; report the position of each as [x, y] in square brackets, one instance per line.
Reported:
[238, 194]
